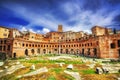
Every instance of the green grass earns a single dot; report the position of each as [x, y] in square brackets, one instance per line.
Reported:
[88, 71]
[53, 61]
[74, 70]
[57, 70]
[8, 77]
[69, 77]
[51, 78]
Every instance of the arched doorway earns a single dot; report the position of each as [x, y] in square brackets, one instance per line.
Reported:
[14, 55]
[38, 51]
[95, 52]
[83, 52]
[61, 51]
[119, 53]
[72, 51]
[44, 51]
[88, 52]
[66, 51]
[78, 51]
[26, 52]
[32, 51]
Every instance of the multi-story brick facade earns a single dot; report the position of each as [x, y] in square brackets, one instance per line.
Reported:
[102, 43]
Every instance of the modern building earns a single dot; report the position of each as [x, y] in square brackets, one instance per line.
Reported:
[102, 43]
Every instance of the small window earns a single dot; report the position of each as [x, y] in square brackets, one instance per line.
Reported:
[82, 45]
[4, 41]
[88, 44]
[55, 49]
[0, 48]
[66, 45]
[5, 29]
[79, 45]
[74, 45]
[69, 45]
[41, 45]
[91, 44]
[23, 45]
[4, 48]
[29, 45]
[26, 45]
[32, 45]
[8, 48]
[118, 43]
[1, 42]
[112, 45]
[4, 34]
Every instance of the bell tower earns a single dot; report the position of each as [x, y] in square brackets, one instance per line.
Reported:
[60, 28]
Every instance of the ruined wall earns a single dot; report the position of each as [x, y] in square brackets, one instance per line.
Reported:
[4, 32]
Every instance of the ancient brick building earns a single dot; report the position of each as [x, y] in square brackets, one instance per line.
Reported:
[102, 43]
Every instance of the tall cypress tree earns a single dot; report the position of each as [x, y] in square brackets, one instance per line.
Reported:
[114, 31]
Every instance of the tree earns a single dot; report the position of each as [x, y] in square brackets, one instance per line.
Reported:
[114, 31]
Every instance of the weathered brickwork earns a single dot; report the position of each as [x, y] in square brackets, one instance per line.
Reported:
[102, 43]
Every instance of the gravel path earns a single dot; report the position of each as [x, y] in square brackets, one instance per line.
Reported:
[38, 71]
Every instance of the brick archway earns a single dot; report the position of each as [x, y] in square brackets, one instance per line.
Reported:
[26, 52]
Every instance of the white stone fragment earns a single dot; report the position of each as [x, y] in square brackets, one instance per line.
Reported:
[32, 67]
[70, 66]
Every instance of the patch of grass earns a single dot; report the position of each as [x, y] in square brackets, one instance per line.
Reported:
[51, 78]
[36, 61]
[114, 62]
[53, 61]
[88, 71]
[69, 77]
[8, 77]
[65, 61]
[57, 70]
[74, 70]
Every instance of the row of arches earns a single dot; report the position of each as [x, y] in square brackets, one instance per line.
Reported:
[83, 52]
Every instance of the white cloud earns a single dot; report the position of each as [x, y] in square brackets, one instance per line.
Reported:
[45, 20]
[84, 19]
[70, 8]
[23, 29]
[31, 30]
[43, 31]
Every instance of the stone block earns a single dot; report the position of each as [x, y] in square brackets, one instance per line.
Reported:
[70, 66]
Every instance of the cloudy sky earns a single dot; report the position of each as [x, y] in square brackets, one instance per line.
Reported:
[42, 16]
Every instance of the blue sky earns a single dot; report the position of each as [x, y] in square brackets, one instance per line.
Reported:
[42, 16]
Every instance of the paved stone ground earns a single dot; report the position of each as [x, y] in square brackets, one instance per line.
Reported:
[38, 71]
[73, 74]
[1, 63]
[58, 57]
[11, 69]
